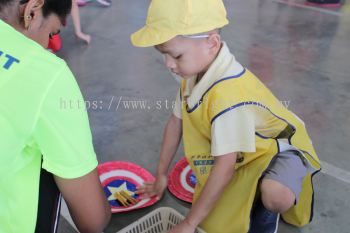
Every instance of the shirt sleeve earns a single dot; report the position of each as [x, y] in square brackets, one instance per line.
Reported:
[178, 105]
[62, 131]
[233, 131]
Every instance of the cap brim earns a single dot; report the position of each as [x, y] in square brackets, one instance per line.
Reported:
[147, 37]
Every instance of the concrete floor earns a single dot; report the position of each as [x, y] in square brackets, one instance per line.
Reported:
[302, 54]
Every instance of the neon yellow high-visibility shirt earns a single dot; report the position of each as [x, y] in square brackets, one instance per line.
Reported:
[37, 128]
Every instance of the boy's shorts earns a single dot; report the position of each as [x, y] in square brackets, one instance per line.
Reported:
[288, 169]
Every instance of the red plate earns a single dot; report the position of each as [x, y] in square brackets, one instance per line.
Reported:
[119, 175]
[182, 181]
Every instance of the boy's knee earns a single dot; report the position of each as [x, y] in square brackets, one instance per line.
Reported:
[275, 196]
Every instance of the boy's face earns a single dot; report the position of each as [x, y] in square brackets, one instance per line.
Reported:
[187, 57]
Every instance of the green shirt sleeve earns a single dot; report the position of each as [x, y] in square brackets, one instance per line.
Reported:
[62, 131]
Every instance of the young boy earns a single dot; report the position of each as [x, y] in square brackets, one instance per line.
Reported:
[252, 157]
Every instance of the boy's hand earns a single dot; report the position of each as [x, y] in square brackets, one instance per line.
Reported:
[183, 227]
[153, 189]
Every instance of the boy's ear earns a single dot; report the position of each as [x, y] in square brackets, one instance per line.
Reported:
[31, 10]
[214, 41]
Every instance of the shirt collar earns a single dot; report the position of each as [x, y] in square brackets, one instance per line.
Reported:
[224, 62]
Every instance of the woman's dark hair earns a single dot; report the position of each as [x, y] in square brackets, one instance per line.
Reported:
[4, 2]
[61, 8]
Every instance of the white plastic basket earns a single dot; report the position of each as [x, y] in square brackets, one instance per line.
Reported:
[160, 220]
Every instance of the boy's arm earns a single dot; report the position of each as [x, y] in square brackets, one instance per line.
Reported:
[171, 140]
[219, 178]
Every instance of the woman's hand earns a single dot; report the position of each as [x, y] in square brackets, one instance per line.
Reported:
[153, 189]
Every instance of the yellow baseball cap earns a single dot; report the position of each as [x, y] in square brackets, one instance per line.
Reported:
[167, 19]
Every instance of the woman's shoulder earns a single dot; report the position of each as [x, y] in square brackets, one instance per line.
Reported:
[23, 54]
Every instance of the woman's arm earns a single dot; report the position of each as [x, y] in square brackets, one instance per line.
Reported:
[86, 202]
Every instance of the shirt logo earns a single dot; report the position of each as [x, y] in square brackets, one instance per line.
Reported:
[7, 60]
[203, 162]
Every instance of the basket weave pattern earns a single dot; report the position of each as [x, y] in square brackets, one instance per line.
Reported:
[160, 220]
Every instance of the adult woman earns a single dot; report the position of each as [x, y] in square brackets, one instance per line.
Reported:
[43, 145]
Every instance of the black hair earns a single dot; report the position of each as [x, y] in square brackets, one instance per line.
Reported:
[5, 2]
[61, 8]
